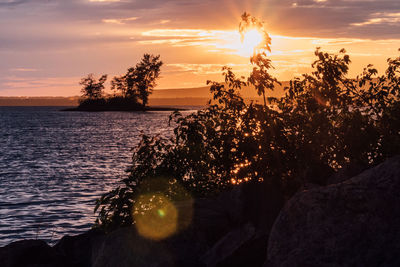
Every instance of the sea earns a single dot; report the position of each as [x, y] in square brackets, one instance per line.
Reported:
[55, 164]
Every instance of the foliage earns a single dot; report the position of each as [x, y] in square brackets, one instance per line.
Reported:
[326, 122]
[147, 71]
[139, 81]
[259, 77]
[249, 22]
[114, 103]
[93, 89]
[124, 85]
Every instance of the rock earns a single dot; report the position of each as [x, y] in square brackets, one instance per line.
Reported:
[30, 253]
[245, 244]
[229, 244]
[228, 230]
[346, 173]
[354, 223]
[214, 217]
[262, 203]
[250, 253]
[81, 249]
[126, 248]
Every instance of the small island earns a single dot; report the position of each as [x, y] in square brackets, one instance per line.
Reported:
[131, 91]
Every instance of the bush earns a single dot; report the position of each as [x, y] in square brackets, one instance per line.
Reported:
[325, 122]
[123, 103]
[92, 104]
[113, 103]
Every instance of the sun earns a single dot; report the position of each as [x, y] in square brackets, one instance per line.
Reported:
[251, 40]
[245, 45]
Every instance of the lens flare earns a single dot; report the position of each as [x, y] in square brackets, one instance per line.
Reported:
[160, 221]
[163, 209]
[161, 213]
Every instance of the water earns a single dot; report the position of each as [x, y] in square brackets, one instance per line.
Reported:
[54, 165]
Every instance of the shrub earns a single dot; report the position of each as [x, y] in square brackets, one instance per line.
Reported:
[324, 123]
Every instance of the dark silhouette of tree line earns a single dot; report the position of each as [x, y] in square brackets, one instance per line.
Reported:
[325, 123]
[132, 90]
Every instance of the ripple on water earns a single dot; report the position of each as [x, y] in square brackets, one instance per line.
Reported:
[54, 165]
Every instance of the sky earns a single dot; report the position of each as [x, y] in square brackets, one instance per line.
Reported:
[47, 46]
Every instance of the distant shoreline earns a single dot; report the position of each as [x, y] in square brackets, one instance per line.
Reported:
[74, 101]
[125, 110]
[198, 96]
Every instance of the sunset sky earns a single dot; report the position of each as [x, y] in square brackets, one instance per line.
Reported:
[46, 46]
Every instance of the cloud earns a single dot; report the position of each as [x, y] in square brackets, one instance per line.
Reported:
[119, 21]
[317, 18]
[10, 3]
[335, 18]
[381, 18]
[104, 1]
[32, 86]
[17, 3]
[203, 69]
[23, 70]
[61, 38]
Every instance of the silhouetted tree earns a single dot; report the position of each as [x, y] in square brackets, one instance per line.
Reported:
[146, 73]
[126, 84]
[249, 22]
[93, 88]
[140, 80]
[260, 77]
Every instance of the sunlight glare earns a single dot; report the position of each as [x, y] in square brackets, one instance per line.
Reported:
[159, 222]
[251, 41]
[156, 215]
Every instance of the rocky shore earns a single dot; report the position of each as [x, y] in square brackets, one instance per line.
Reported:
[355, 221]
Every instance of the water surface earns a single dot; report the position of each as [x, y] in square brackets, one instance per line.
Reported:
[53, 165]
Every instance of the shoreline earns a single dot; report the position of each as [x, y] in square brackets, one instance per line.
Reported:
[125, 110]
[222, 232]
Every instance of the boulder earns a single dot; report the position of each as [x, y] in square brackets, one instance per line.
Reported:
[228, 245]
[126, 248]
[230, 229]
[245, 242]
[30, 253]
[214, 217]
[346, 173]
[251, 253]
[208, 222]
[80, 249]
[353, 223]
